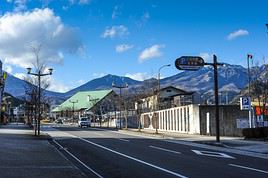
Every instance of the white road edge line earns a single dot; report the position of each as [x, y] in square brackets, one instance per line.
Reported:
[163, 149]
[90, 169]
[249, 168]
[135, 159]
[125, 140]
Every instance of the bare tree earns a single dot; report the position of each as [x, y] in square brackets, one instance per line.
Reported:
[31, 86]
[260, 86]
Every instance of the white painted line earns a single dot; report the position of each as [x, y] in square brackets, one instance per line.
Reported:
[249, 168]
[213, 154]
[163, 149]
[90, 169]
[135, 159]
[97, 134]
[125, 140]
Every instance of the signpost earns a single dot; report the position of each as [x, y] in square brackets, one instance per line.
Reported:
[195, 63]
[245, 104]
[189, 63]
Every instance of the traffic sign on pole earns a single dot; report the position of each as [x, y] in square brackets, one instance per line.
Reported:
[189, 63]
[245, 103]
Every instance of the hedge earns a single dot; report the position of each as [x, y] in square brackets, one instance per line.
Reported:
[260, 132]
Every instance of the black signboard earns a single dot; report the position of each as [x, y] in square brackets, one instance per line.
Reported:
[189, 63]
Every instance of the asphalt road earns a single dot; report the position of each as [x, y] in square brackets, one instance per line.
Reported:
[106, 153]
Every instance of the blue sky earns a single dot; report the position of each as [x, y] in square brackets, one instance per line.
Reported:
[86, 39]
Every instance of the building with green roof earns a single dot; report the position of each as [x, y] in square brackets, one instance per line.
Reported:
[85, 101]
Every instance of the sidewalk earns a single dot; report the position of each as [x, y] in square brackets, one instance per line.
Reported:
[24, 155]
[238, 143]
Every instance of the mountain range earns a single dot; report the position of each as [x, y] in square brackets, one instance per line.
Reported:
[232, 79]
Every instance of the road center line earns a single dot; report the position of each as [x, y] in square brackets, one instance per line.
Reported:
[249, 168]
[135, 159]
[163, 149]
[125, 140]
[90, 169]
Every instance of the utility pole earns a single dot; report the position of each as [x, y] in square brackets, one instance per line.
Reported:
[158, 96]
[215, 65]
[73, 102]
[120, 94]
[39, 75]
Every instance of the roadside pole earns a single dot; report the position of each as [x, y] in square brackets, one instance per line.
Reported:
[215, 65]
[249, 56]
[195, 63]
[216, 92]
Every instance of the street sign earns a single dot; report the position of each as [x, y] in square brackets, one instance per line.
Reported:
[189, 63]
[245, 103]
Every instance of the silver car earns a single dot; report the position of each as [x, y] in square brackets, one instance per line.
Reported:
[84, 122]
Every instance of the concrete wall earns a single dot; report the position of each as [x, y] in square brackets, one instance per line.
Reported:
[184, 119]
[195, 119]
[228, 116]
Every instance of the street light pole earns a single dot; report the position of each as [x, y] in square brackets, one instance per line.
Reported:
[158, 97]
[120, 95]
[73, 102]
[249, 56]
[39, 75]
[158, 94]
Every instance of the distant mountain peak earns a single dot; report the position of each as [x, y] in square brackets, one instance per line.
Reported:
[231, 78]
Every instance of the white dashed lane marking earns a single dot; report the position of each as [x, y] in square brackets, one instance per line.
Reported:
[163, 149]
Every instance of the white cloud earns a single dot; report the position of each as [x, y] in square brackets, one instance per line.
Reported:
[57, 86]
[151, 52]
[20, 5]
[98, 75]
[115, 31]
[84, 1]
[8, 69]
[138, 76]
[81, 82]
[9, 1]
[123, 47]
[146, 16]
[54, 85]
[116, 12]
[39, 27]
[21, 76]
[81, 2]
[237, 34]
[144, 19]
[206, 56]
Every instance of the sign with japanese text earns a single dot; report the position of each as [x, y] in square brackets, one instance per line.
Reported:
[189, 63]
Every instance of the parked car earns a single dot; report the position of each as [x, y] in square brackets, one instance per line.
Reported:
[84, 121]
[58, 121]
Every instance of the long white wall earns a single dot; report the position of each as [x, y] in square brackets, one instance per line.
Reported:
[183, 119]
